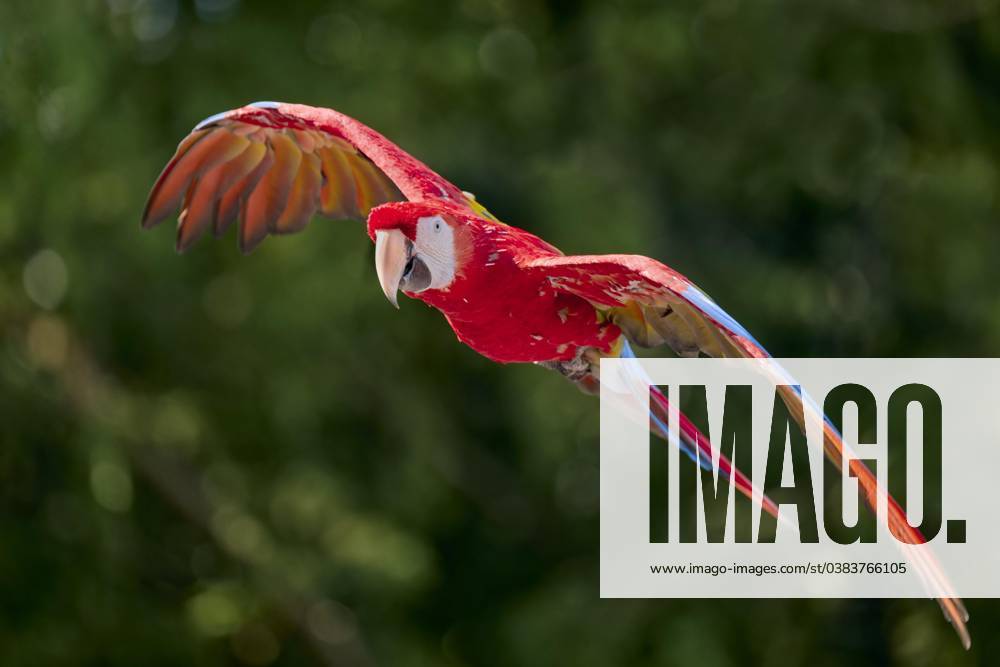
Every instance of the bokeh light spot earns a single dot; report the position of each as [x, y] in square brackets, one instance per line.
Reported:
[46, 278]
[506, 53]
[215, 612]
[335, 39]
[175, 424]
[48, 342]
[111, 485]
[215, 10]
[154, 19]
[243, 535]
[331, 622]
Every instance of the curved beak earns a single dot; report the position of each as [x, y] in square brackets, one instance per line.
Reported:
[391, 255]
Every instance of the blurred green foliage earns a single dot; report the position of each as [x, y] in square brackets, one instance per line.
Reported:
[215, 459]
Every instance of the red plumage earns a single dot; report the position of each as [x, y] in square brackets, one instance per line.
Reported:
[506, 293]
[498, 305]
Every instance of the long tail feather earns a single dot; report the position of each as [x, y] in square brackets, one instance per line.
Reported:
[695, 444]
[699, 448]
[927, 565]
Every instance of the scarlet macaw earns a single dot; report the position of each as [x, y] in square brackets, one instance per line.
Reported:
[506, 293]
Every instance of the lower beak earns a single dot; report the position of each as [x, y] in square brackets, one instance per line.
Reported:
[390, 261]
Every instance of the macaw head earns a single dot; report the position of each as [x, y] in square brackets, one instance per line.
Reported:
[418, 247]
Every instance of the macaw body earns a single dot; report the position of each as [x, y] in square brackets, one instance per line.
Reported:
[499, 304]
[506, 293]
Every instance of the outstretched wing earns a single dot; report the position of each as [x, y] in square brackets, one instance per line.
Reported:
[652, 303]
[655, 305]
[272, 166]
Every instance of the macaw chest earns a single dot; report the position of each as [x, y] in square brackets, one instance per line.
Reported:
[539, 324]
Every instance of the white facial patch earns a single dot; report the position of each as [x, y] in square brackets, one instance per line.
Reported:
[435, 245]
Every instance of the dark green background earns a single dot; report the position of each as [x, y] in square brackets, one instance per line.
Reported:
[216, 459]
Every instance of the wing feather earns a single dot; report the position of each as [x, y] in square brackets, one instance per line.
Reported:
[231, 203]
[269, 198]
[274, 166]
[339, 194]
[303, 199]
[199, 209]
[196, 155]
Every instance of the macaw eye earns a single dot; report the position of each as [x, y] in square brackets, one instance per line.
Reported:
[437, 225]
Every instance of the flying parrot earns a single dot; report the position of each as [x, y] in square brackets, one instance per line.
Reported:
[506, 293]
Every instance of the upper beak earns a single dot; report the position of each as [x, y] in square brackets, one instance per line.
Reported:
[390, 261]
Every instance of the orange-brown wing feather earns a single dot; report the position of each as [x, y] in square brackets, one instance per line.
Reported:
[303, 200]
[231, 202]
[274, 166]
